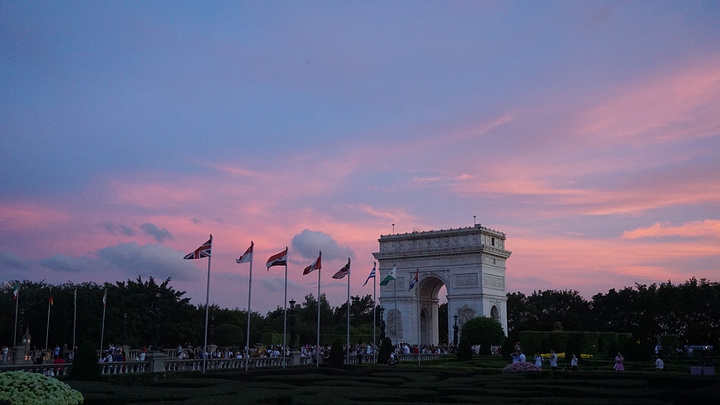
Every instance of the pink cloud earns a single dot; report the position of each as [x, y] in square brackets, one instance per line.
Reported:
[22, 216]
[706, 228]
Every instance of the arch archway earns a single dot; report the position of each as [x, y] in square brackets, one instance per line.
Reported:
[469, 262]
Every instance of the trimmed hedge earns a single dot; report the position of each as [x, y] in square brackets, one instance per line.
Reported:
[573, 342]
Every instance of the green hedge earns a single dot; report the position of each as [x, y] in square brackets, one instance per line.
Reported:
[562, 341]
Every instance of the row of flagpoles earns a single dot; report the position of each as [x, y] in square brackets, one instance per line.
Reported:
[280, 259]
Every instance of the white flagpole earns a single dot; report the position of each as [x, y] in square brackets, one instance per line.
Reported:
[102, 332]
[74, 321]
[285, 313]
[207, 309]
[395, 317]
[375, 345]
[317, 348]
[417, 287]
[348, 312]
[47, 328]
[17, 302]
[247, 338]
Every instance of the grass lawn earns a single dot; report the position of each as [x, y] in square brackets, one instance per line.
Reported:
[478, 381]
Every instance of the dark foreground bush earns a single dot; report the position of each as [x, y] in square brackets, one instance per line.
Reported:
[337, 354]
[85, 364]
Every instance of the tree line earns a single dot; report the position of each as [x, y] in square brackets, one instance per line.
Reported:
[144, 312]
[690, 310]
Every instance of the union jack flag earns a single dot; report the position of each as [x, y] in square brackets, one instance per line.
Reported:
[202, 251]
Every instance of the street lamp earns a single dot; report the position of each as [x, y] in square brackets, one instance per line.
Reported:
[292, 303]
[455, 332]
[382, 324]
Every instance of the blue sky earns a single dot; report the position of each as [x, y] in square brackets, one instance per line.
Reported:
[587, 131]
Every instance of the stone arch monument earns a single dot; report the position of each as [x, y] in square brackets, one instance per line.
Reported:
[469, 262]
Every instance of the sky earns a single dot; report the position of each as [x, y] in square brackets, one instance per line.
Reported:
[588, 132]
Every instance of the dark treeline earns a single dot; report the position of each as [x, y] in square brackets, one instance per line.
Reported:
[690, 311]
[142, 312]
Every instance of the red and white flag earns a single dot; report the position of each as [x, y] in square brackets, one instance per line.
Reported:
[202, 251]
[342, 272]
[247, 256]
[279, 259]
[316, 265]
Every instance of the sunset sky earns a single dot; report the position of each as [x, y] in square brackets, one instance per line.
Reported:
[588, 132]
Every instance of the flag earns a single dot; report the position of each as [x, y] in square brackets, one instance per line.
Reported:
[247, 256]
[16, 291]
[75, 296]
[104, 297]
[279, 259]
[202, 251]
[415, 279]
[390, 276]
[372, 274]
[51, 300]
[342, 272]
[316, 265]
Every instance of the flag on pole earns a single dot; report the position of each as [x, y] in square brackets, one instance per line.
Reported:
[415, 279]
[316, 265]
[202, 251]
[371, 275]
[51, 300]
[390, 276]
[75, 296]
[104, 297]
[279, 259]
[16, 291]
[247, 256]
[342, 272]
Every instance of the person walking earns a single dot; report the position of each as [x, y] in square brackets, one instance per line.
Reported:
[619, 362]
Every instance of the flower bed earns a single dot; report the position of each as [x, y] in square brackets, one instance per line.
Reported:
[20, 388]
[520, 368]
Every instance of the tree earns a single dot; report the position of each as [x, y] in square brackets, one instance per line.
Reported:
[483, 331]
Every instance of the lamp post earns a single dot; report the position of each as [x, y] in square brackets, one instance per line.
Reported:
[455, 332]
[382, 324]
[291, 318]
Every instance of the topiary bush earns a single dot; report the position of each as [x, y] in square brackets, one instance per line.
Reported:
[386, 348]
[464, 351]
[20, 387]
[337, 354]
[85, 366]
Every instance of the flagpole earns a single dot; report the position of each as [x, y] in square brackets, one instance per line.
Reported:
[317, 348]
[47, 328]
[207, 310]
[397, 342]
[102, 332]
[17, 302]
[74, 322]
[285, 313]
[348, 312]
[375, 345]
[418, 313]
[247, 338]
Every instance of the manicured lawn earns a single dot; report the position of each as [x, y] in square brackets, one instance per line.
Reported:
[478, 381]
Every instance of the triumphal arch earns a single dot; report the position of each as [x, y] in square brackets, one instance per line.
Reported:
[469, 262]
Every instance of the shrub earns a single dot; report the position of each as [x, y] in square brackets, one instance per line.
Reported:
[85, 365]
[337, 354]
[483, 331]
[19, 387]
[464, 351]
[386, 348]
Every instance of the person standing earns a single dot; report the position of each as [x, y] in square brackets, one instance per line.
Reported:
[574, 363]
[619, 362]
[553, 360]
[659, 363]
[538, 360]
